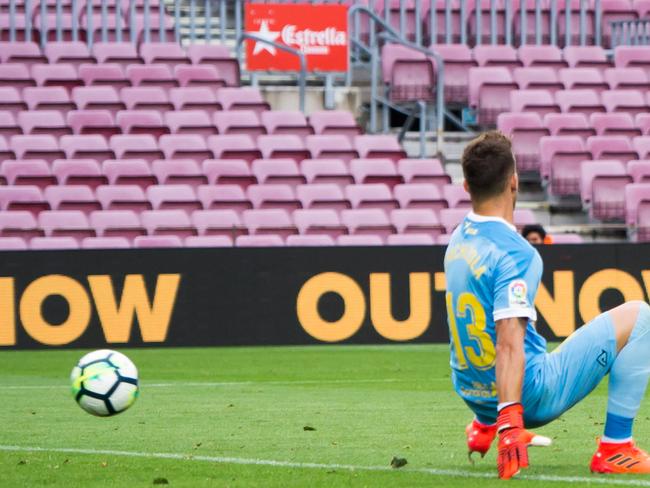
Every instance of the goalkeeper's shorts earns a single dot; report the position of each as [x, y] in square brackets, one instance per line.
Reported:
[565, 376]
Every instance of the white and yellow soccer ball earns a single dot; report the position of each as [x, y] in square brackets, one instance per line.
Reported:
[105, 382]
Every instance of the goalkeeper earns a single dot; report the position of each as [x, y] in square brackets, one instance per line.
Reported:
[500, 366]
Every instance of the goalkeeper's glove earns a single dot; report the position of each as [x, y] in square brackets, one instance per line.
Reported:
[514, 441]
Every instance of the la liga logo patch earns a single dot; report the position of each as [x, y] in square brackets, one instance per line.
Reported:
[517, 294]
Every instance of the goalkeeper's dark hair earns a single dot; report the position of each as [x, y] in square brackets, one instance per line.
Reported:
[488, 164]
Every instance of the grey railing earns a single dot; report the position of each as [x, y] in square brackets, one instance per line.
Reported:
[302, 72]
[630, 32]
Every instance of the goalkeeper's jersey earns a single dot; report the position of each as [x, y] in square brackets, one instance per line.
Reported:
[492, 274]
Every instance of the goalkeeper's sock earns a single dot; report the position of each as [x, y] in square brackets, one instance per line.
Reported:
[628, 379]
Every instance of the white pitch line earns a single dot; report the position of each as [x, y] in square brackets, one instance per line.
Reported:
[605, 480]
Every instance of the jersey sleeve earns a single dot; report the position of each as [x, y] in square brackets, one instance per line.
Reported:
[516, 280]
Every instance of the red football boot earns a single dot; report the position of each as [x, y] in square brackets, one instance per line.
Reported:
[479, 437]
[620, 459]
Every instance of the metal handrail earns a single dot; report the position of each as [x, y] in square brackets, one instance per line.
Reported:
[302, 76]
[630, 32]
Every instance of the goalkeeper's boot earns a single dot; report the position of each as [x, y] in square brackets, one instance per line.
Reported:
[620, 459]
[479, 438]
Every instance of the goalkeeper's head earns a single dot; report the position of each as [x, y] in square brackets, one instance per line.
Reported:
[490, 171]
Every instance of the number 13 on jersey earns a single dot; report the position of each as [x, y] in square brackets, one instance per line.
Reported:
[475, 345]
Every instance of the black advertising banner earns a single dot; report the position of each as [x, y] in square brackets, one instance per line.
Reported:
[218, 297]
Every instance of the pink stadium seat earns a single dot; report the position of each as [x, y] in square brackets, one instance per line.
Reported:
[141, 122]
[581, 101]
[457, 60]
[217, 56]
[48, 98]
[537, 79]
[423, 171]
[78, 172]
[223, 197]
[239, 122]
[316, 240]
[636, 195]
[129, 172]
[234, 146]
[72, 197]
[199, 75]
[270, 240]
[583, 78]
[8, 125]
[642, 121]
[586, 56]
[322, 196]
[157, 241]
[123, 197]
[208, 241]
[525, 130]
[5, 151]
[122, 53]
[24, 197]
[546, 56]
[331, 146]
[335, 122]
[421, 196]
[614, 10]
[242, 99]
[140, 146]
[286, 122]
[562, 153]
[169, 53]
[194, 98]
[375, 171]
[71, 223]
[269, 221]
[360, 240]
[379, 146]
[489, 90]
[110, 74]
[15, 75]
[179, 171]
[36, 172]
[408, 74]
[642, 146]
[92, 122]
[63, 75]
[603, 189]
[20, 224]
[631, 101]
[496, 55]
[59, 242]
[282, 171]
[566, 239]
[71, 52]
[167, 222]
[12, 244]
[185, 146]
[523, 216]
[410, 240]
[35, 147]
[49, 122]
[228, 171]
[173, 197]
[319, 222]
[11, 100]
[611, 147]
[333, 171]
[366, 221]
[158, 75]
[456, 196]
[416, 221]
[373, 195]
[117, 223]
[91, 146]
[539, 101]
[451, 217]
[273, 196]
[190, 122]
[105, 243]
[21, 52]
[614, 124]
[632, 56]
[282, 147]
[146, 97]
[639, 170]
[98, 98]
[627, 79]
[575, 124]
[218, 223]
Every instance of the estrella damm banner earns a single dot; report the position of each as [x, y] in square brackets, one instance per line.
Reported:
[221, 297]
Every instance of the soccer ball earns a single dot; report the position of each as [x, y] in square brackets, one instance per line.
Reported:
[104, 382]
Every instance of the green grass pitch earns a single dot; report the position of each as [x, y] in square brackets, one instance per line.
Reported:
[223, 416]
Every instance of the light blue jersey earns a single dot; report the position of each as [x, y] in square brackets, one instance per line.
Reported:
[492, 274]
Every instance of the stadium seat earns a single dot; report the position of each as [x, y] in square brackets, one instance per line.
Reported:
[58, 242]
[630, 101]
[79, 172]
[489, 90]
[228, 171]
[451, 217]
[242, 99]
[366, 221]
[27, 198]
[167, 222]
[120, 53]
[109, 74]
[90, 146]
[581, 101]
[540, 101]
[375, 171]
[60, 75]
[141, 122]
[561, 157]
[525, 130]
[239, 122]
[222, 222]
[71, 223]
[316, 240]
[280, 196]
[410, 240]
[98, 98]
[269, 221]
[190, 122]
[117, 223]
[185, 146]
[417, 221]
[540, 78]
[123, 197]
[319, 222]
[270, 240]
[209, 241]
[627, 79]
[36, 172]
[360, 240]
[331, 146]
[129, 172]
[234, 146]
[49, 98]
[99, 122]
[614, 124]
[173, 197]
[169, 53]
[15, 75]
[140, 146]
[420, 195]
[611, 147]
[371, 195]
[8, 125]
[157, 241]
[457, 60]
[573, 124]
[49, 122]
[217, 56]
[603, 189]
[146, 98]
[334, 122]
[456, 196]
[158, 75]
[105, 243]
[639, 170]
[322, 196]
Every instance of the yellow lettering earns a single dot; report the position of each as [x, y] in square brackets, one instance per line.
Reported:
[420, 307]
[117, 318]
[597, 283]
[7, 312]
[559, 310]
